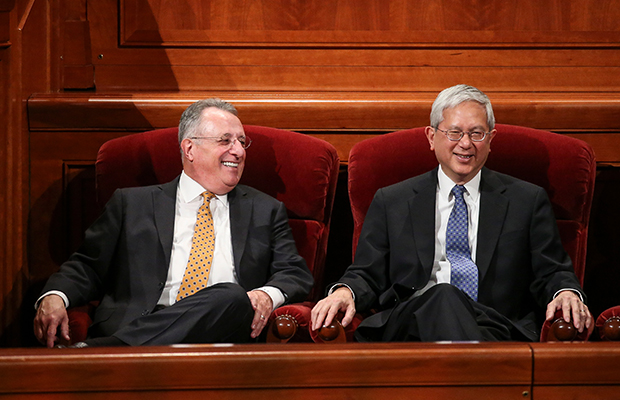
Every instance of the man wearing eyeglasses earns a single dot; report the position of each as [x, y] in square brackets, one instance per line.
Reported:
[450, 300]
[226, 252]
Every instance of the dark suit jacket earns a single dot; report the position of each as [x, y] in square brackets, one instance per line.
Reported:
[125, 256]
[520, 257]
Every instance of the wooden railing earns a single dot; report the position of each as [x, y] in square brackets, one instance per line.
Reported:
[312, 371]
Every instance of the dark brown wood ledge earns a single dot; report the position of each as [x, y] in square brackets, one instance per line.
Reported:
[405, 370]
[590, 116]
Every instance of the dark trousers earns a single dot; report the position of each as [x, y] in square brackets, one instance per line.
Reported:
[442, 313]
[221, 313]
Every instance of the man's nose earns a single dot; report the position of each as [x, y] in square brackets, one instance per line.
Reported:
[465, 141]
[236, 147]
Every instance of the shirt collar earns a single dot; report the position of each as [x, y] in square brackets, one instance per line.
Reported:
[446, 184]
[190, 190]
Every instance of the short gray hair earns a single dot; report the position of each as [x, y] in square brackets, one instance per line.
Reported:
[191, 116]
[455, 95]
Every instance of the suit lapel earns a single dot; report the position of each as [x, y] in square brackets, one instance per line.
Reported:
[422, 209]
[240, 208]
[493, 208]
[164, 201]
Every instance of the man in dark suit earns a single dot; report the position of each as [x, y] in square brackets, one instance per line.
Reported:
[458, 253]
[135, 256]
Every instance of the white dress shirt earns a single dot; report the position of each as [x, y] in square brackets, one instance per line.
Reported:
[188, 202]
[445, 201]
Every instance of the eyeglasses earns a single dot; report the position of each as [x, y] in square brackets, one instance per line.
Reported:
[226, 141]
[455, 135]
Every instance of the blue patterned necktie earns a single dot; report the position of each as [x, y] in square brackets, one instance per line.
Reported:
[464, 273]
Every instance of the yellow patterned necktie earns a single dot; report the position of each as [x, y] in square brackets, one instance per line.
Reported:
[200, 256]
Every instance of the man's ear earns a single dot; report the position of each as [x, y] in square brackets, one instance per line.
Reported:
[430, 135]
[187, 147]
[492, 134]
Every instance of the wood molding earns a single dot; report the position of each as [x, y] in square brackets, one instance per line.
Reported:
[353, 370]
[342, 111]
[256, 371]
[332, 116]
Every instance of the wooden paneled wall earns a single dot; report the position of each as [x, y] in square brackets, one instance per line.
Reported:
[75, 73]
[354, 45]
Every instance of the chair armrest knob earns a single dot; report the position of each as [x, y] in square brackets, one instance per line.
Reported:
[611, 328]
[284, 327]
[329, 333]
[333, 333]
[563, 331]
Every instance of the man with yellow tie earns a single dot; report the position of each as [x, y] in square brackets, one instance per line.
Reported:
[200, 259]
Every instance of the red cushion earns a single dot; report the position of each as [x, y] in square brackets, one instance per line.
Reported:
[79, 321]
[140, 159]
[297, 169]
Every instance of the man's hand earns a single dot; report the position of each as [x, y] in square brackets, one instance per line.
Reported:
[51, 315]
[263, 305]
[325, 310]
[573, 309]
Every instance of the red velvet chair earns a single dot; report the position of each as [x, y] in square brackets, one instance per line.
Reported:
[608, 324]
[299, 170]
[564, 166]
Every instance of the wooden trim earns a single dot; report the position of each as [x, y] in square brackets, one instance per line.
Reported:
[25, 15]
[576, 365]
[371, 40]
[310, 371]
[249, 369]
[344, 111]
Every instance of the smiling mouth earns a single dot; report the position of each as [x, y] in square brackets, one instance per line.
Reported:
[465, 156]
[230, 164]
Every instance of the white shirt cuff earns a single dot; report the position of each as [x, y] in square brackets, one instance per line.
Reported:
[339, 285]
[572, 290]
[57, 292]
[277, 297]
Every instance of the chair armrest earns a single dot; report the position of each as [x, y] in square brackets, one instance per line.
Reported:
[558, 330]
[290, 323]
[608, 324]
[335, 332]
[80, 319]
